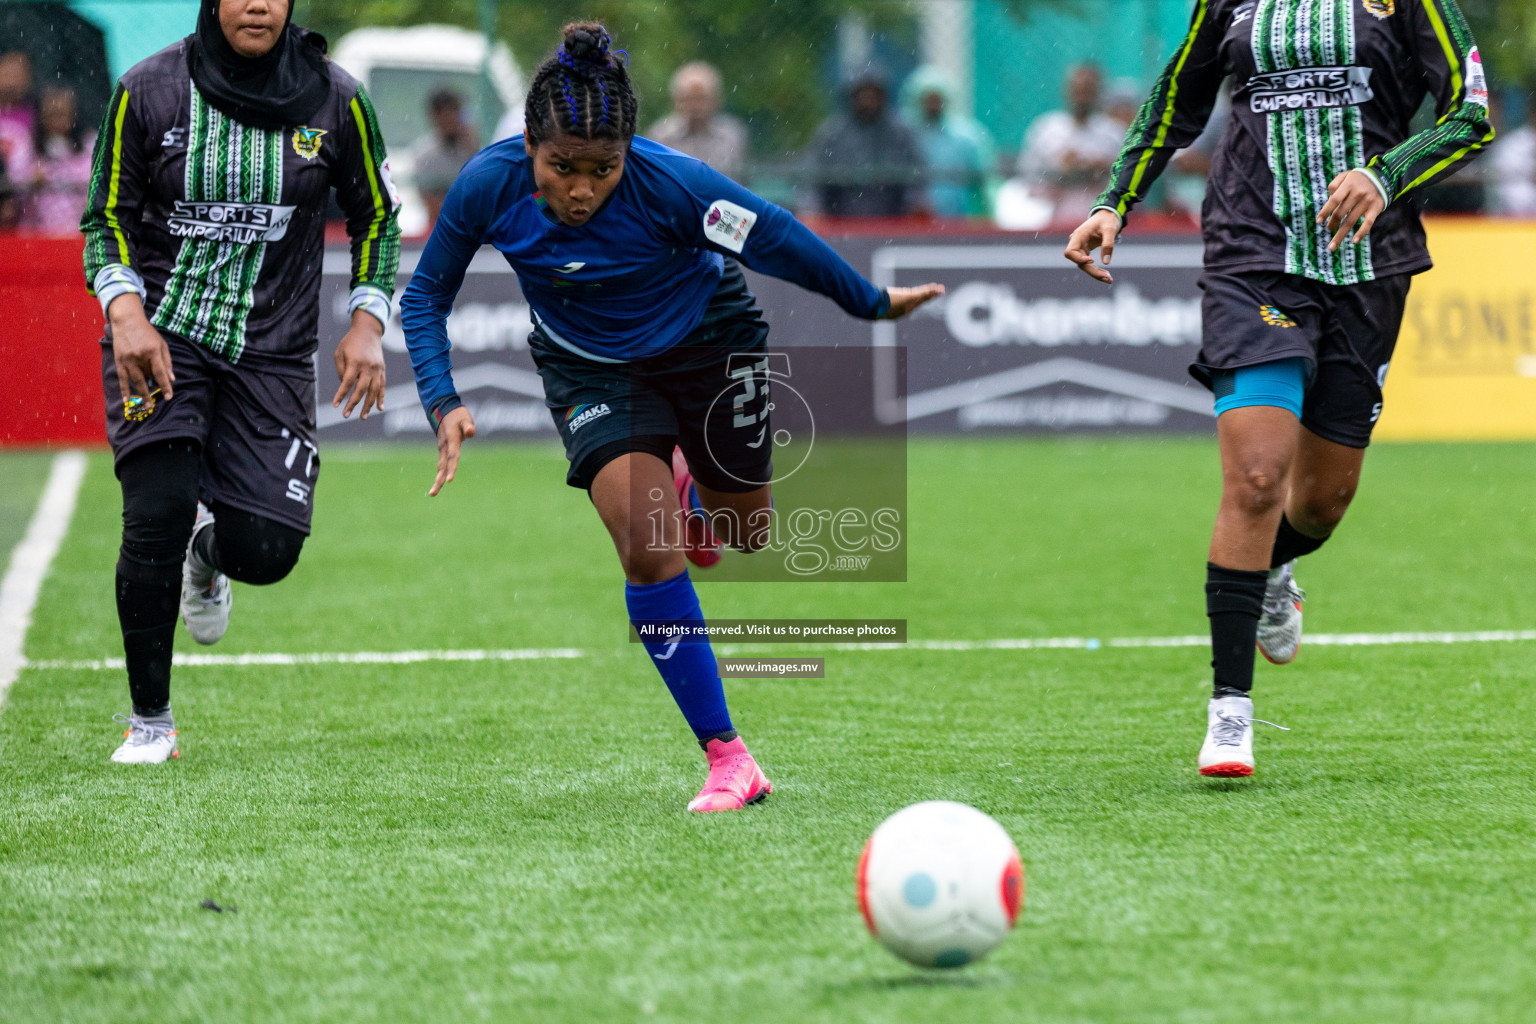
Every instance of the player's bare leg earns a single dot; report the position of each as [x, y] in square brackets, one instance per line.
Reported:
[1323, 482]
[636, 497]
[1258, 451]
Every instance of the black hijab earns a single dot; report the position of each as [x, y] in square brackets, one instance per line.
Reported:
[284, 86]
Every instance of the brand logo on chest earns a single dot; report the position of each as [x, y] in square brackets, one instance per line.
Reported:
[1309, 89]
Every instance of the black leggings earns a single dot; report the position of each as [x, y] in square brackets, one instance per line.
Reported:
[160, 490]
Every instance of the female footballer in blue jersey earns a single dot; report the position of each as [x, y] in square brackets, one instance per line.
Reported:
[624, 250]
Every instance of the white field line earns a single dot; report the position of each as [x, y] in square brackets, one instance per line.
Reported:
[31, 560]
[550, 653]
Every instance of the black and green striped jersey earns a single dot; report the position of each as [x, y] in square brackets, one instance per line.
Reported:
[1319, 87]
[221, 226]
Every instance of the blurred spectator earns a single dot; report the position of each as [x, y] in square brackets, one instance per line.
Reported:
[1123, 100]
[864, 162]
[697, 127]
[1512, 168]
[61, 166]
[957, 151]
[437, 157]
[17, 117]
[1067, 153]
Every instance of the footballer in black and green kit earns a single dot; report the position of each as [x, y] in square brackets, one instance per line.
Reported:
[204, 241]
[1312, 233]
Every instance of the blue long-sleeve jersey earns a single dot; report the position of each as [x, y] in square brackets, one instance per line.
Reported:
[631, 282]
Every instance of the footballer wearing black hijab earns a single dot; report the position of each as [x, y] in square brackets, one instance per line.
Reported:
[204, 239]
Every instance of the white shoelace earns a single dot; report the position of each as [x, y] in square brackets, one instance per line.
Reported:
[1284, 599]
[1228, 732]
[141, 732]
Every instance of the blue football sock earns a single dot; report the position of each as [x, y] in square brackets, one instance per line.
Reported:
[687, 666]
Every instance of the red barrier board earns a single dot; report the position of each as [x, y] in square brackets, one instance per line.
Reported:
[50, 330]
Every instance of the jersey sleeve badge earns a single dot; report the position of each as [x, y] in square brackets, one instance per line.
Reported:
[1382, 9]
[727, 224]
[1477, 82]
[306, 141]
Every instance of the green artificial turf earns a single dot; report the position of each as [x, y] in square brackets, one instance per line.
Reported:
[22, 476]
[508, 840]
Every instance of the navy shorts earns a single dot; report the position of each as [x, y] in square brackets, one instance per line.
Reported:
[708, 395]
[1345, 332]
[256, 425]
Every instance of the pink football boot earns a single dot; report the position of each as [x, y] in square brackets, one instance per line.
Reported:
[700, 544]
[734, 780]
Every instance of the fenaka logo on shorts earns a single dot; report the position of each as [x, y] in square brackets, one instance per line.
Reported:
[230, 222]
[727, 224]
[1380, 8]
[580, 415]
[1309, 89]
[1275, 318]
[306, 141]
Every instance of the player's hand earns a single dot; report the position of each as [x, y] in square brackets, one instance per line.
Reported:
[142, 358]
[360, 365]
[905, 300]
[1353, 199]
[1099, 231]
[457, 427]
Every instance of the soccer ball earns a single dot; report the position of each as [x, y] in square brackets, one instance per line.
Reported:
[940, 884]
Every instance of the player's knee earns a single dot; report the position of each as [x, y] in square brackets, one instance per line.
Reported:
[1257, 488]
[159, 503]
[647, 557]
[254, 549]
[1316, 515]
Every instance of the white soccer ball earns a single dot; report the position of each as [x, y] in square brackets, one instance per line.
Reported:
[940, 884]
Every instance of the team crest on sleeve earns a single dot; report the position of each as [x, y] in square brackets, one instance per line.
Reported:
[727, 224]
[306, 141]
[1380, 8]
[1275, 318]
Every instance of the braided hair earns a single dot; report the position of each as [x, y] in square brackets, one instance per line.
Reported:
[583, 89]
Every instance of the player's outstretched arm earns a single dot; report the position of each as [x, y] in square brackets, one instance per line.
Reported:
[457, 427]
[1099, 231]
[360, 365]
[905, 300]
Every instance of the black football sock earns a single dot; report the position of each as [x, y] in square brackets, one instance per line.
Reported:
[1234, 600]
[723, 737]
[148, 601]
[1291, 543]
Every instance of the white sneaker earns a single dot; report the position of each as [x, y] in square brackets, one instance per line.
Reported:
[1280, 623]
[206, 595]
[1228, 748]
[147, 741]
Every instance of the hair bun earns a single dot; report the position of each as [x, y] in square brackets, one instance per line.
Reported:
[586, 43]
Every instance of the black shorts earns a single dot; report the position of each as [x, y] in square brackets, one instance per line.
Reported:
[708, 395]
[256, 427]
[1346, 332]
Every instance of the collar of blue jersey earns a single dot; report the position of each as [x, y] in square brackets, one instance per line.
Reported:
[284, 86]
